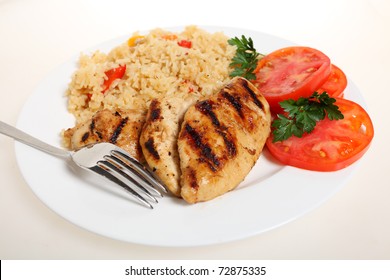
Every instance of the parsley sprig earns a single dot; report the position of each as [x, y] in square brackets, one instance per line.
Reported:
[303, 115]
[246, 58]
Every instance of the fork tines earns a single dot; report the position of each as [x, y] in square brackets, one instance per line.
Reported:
[127, 172]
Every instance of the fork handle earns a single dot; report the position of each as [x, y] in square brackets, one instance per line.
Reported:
[27, 139]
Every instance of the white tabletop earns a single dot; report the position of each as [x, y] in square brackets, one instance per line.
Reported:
[36, 36]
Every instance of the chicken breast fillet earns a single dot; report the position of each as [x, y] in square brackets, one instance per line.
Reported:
[158, 139]
[120, 127]
[221, 138]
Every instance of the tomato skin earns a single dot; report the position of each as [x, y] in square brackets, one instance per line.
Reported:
[336, 83]
[290, 73]
[112, 75]
[332, 145]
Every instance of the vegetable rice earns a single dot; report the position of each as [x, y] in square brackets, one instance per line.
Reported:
[157, 65]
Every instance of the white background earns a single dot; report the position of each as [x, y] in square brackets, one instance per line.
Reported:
[38, 35]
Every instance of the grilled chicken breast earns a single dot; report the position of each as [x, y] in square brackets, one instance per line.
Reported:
[221, 139]
[120, 127]
[158, 139]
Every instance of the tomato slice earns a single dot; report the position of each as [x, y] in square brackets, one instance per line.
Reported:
[290, 73]
[112, 75]
[336, 83]
[332, 145]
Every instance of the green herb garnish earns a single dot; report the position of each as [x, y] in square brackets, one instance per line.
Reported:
[303, 115]
[246, 58]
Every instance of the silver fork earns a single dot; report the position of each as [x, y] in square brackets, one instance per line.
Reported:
[104, 159]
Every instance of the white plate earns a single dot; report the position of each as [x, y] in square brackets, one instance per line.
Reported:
[271, 195]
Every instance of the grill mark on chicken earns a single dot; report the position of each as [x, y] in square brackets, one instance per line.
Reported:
[99, 134]
[206, 152]
[93, 131]
[149, 145]
[118, 130]
[85, 137]
[206, 108]
[252, 94]
[193, 182]
[155, 110]
[229, 143]
[92, 125]
[235, 102]
[208, 163]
